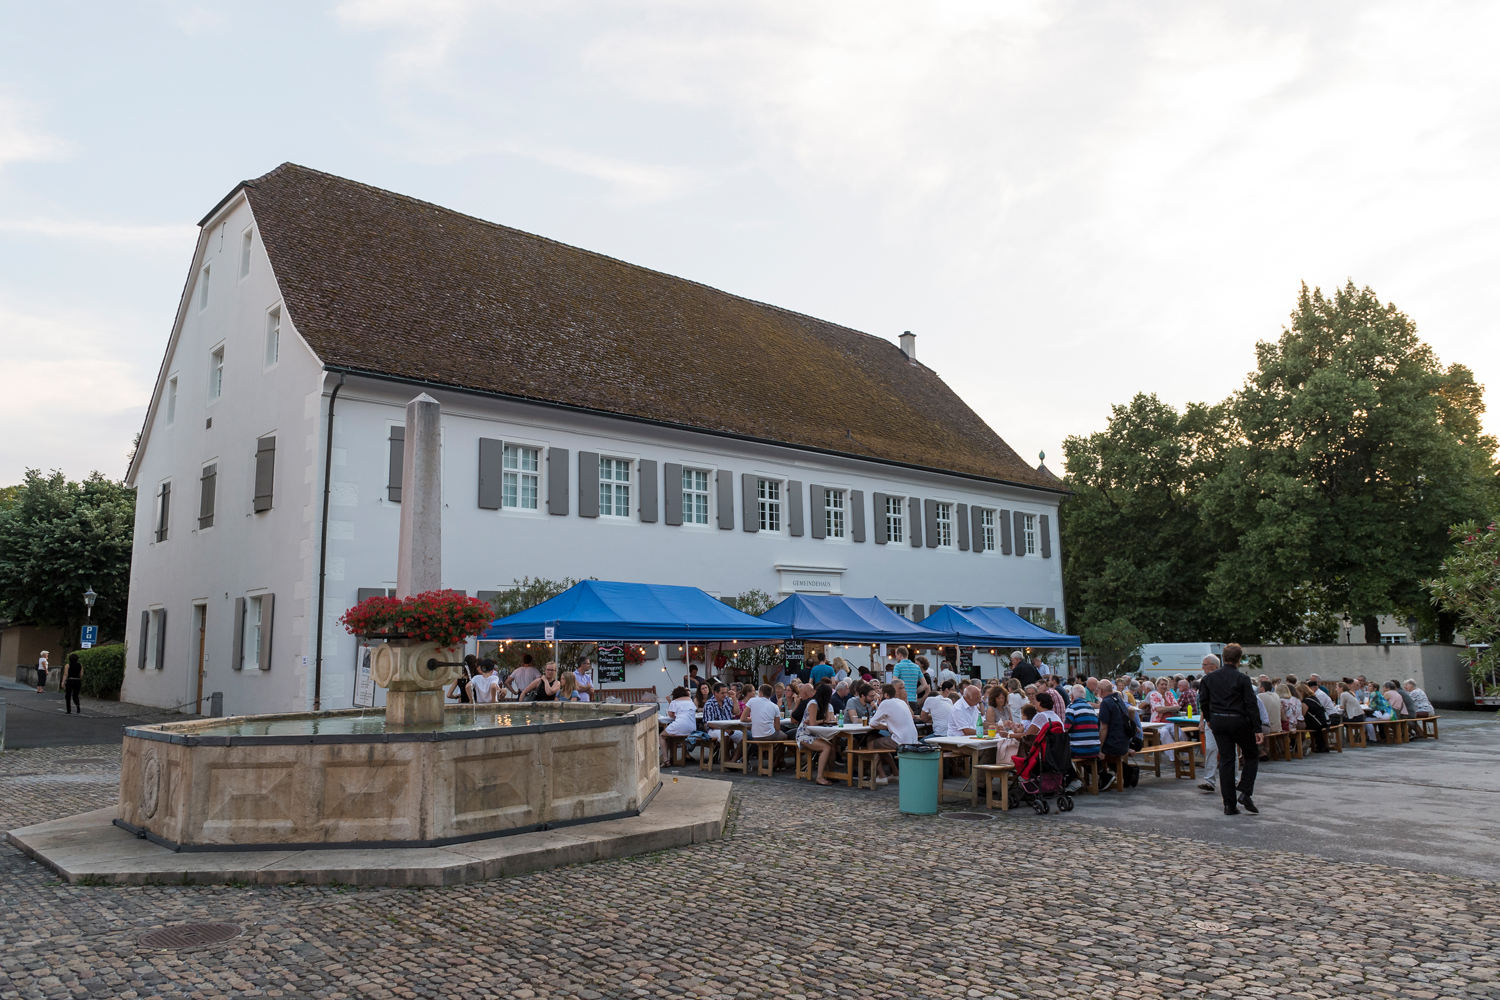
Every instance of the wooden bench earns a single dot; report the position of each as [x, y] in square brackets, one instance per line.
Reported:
[1088, 769]
[708, 753]
[628, 696]
[677, 755]
[1422, 722]
[1279, 744]
[987, 773]
[1354, 734]
[1390, 730]
[862, 768]
[766, 753]
[1178, 759]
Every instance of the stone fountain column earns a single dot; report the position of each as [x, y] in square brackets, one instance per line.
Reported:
[414, 692]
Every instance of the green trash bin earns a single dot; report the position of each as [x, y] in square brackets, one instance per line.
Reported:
[921, 778]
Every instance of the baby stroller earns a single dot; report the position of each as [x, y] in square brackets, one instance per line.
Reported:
[1046, 770]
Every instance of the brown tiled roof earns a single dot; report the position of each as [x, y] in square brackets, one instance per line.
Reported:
[383, 283]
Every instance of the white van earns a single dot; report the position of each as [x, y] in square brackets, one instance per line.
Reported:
[1164, 659]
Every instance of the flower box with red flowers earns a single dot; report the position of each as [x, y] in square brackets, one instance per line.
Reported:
[441, 616]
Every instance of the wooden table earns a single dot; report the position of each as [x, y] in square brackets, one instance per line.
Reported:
[833, 734]
[973, 746]
[727, 728]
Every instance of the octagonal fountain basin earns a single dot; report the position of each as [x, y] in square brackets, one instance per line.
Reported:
[342, 780]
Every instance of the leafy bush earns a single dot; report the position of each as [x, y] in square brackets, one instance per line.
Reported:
[103, 670]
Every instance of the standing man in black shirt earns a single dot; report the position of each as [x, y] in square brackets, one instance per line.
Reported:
[1231, 711]
[1023, 671]
[73, 683]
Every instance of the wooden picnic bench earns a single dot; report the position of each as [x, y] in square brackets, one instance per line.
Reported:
[1422, 722]
[1178, 759]
[861, 773]
[1392, 730]
[765, 754]
[987, 773]
[628, 696]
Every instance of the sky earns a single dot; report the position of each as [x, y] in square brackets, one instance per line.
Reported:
[1068, 202]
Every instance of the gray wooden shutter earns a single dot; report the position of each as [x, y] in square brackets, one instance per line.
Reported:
[206, 490]
[161, 638]
[817, 499]
[588, 484]
[1003, 517]
[976, 523]
[750, 500]
[650, 487]
[164, 515]
[145, 638]
[267, 619]
[878, 506]
[857, 515]
[961, 515]
[918, 612]
[557, 481]
[491, 464]
[1020, 532]
[914, 521]
[794, 508]
[672, 485]
[1044, 528]
[265, 472]
[394, 464]
[725, 489]
[238, 655]
[929, 522]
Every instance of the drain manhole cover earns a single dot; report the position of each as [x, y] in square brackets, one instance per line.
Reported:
[81, 760]
[190, 935]
[1210, 925]
[966, 815]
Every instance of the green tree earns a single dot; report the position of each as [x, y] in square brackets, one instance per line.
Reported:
[1467, 586]
[1117, 643]
[58, 539]
[1356, 450]
[762, 662]
[528, 593]
[1132, 540]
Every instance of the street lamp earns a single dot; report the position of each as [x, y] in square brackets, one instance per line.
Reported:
[89, 597]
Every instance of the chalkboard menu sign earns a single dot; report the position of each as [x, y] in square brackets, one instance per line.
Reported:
[792, 649]
[611, 657]
[966, 666]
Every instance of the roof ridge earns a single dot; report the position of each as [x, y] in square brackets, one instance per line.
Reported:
[289, 166]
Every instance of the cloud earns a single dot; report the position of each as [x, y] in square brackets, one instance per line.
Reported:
[20, 140]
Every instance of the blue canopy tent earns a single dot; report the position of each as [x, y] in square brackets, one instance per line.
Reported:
[600, 611]
[994, 627]
[848, 621]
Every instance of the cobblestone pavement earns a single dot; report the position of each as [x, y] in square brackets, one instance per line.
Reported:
[813, 893]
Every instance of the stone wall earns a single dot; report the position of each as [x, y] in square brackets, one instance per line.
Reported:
[1437, 669]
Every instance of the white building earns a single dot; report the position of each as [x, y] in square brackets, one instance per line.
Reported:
[599, 419]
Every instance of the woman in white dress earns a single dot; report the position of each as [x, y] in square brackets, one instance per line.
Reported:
[684, 715]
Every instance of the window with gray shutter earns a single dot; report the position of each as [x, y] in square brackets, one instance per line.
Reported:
[794, 508]
[857, 515]
[365, 593]
[1004, 518]
[1018, 530]
[1052, 613]
[161, 638]
[750, 500]
[929, 522]
[724, 485]
[207, 486]
[918, 612]
[238, 659]
[145, 638]
[163, 511]
[265, 472]
[879, 506]
[672, 474]
[976, 527]
[397, 450]
[267, 616]
[588, 484]
[1044, 527]
[491, 473]
[818, 500]
[961, 515]
[649, 488]
[557, 481]
[914, 521]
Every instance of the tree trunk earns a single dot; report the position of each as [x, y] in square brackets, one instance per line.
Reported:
[1372, 629]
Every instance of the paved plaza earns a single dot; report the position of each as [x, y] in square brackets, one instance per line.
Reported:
[1370, 874]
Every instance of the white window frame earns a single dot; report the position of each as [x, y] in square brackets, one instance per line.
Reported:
[1027, 542]
[247, 241]
[250, 655]
[172, 400]
[835, 513]
[697, 496]
[894, 515]
[770, 510]
[901, 609]
[216, 373]
[987, 529]
[273, 338]
[616, 486]
[943, 519]
[514, 478]
[203, 279]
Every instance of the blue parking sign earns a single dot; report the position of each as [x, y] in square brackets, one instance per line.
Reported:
[89, 637]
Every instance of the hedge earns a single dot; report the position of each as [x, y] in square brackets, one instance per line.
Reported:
[103, 670]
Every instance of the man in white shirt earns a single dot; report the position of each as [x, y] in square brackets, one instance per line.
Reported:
[484, 688]
[764, 720]
[1041, 665]
[584, 679]
[936, 709]
[893, 715]
[963, 720]
[524, 676]
[946, 673]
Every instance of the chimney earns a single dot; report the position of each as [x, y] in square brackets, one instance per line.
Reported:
[909, 345]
